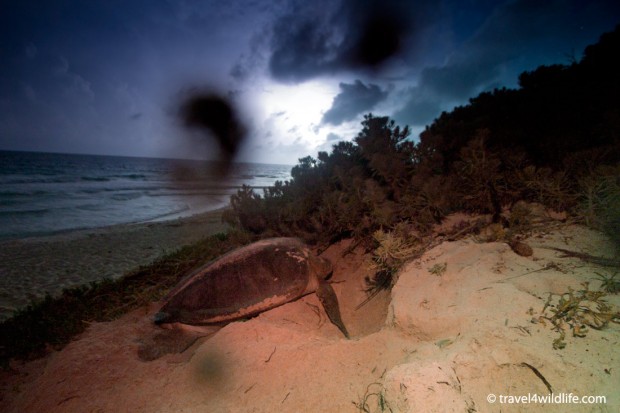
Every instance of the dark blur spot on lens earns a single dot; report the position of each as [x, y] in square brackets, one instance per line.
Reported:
[217, 117]
[380, 39]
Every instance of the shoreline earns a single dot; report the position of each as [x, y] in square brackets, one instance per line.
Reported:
[186, 213]
[32, 267]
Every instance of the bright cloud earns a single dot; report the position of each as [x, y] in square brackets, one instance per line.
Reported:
[296, 110]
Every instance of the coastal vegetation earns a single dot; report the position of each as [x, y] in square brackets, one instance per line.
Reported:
[554, 141]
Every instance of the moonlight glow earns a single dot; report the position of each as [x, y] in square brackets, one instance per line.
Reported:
[297, 110]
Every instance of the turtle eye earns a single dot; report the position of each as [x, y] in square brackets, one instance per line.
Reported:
[329, 275]
[161, 317]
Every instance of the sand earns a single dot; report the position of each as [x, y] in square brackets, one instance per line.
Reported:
[435, 343]
[30, 268]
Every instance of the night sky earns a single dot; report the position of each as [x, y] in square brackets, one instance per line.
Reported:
[109, 76]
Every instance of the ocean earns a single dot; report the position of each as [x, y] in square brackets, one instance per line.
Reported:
[47, 193]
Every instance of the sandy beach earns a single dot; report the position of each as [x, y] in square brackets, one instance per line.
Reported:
[30, 268]
[450, 341]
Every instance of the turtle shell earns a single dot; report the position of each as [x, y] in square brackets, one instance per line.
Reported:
[245, 282]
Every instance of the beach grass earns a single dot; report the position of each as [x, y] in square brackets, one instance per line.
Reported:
[53, 321]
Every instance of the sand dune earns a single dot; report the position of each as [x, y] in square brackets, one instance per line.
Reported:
[436, 343]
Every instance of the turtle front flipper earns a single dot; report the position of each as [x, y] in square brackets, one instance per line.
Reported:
[328, 298]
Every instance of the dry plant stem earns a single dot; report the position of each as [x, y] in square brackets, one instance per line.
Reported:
[351, 248]
[271, 355]
[372, 295]
[549, 266]
[602, 261]
[463, 232]
[381, 402]
[539, 375]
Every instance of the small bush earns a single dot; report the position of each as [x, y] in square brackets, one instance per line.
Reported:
[576, 311]
[438, 269]
[599, 204]
[480, 181]
[609, 283]
[392, 250]
[546, 186]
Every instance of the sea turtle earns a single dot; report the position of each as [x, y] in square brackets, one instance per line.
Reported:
[246, 282]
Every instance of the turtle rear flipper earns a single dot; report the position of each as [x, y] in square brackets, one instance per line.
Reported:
[327, 297]
[170, 341]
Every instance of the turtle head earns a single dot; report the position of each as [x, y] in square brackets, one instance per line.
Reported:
[322, 267]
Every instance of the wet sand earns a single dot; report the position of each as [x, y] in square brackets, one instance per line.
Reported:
[32, 267]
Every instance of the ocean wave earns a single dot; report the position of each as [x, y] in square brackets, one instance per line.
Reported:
[127, 197]
[91, 191]
[160, 217]
[68, 179]
[131, 176]
[18, 194]
[91, 207]
[27, 181]
[222, 191]
[107, 189]
[24, 212]
[95, 178]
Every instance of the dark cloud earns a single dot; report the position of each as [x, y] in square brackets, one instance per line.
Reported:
[302, 47]
[516, 36]
[419, 109]
[245, 66]
[332, 137]
[353, 99]
[323, 39]
[381, 39]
